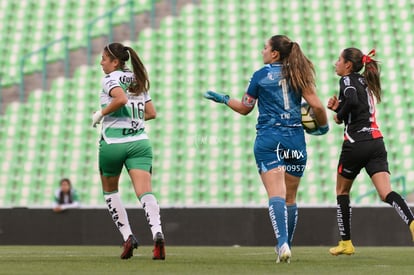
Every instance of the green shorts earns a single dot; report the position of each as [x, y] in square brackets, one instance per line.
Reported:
[134, 155]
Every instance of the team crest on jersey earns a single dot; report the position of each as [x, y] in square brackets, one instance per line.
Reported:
[347, 80]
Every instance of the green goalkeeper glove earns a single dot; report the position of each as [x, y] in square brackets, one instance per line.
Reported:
[217, 97]
[321, 130]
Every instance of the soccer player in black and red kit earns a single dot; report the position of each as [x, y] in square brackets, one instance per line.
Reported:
[363, 145]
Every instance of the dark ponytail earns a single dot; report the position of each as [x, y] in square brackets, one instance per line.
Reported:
[371, 68]
[123, 53]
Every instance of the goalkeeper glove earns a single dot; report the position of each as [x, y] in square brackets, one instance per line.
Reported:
[217, 97]
[96, 118]
[321, 130]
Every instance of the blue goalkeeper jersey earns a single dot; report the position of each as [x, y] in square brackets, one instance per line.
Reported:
[279, 105]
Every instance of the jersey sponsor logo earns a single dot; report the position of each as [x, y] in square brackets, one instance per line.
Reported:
[124, 79]
[368, 130]
[130, 131]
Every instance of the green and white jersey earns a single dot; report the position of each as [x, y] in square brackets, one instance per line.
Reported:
[127, 123]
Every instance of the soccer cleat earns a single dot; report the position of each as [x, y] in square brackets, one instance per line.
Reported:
[412, 229]
[129, 245]
[283, 254]
[344, 247]
[159, 247]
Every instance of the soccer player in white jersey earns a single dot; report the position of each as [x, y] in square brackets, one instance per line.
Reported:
[280, 147]
[125, 105]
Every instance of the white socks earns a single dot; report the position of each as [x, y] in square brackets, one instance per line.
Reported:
[152, 212]
[120, 217]
[118, 213]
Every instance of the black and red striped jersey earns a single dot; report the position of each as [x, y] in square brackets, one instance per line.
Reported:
[357, 109]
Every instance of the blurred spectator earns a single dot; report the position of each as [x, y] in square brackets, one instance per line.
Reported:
[65, 196]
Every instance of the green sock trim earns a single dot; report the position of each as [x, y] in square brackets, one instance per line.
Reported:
[146, 193]
[109, 193]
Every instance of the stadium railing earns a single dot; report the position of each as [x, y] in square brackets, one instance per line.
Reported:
[398, 182]
[43, 51]
[109, 16]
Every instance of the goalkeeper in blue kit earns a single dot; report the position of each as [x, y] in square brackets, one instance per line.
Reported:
[280, 147]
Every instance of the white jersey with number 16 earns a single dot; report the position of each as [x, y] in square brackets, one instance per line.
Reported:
[127, 123]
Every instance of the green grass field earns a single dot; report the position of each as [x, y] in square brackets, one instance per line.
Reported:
[202, 260]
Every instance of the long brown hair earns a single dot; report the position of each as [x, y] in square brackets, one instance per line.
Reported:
[371, 72]
[122, 53]
[297, 68]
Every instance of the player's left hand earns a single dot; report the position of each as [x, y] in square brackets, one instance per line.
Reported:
[321, 130]
[337, 121]
[96, 118]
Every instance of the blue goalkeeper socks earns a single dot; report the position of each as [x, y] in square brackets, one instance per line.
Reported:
[278, 218]
[292, 214]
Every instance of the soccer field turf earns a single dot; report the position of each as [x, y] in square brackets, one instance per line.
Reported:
[202, 260]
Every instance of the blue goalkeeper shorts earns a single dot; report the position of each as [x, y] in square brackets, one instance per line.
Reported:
[283, 148]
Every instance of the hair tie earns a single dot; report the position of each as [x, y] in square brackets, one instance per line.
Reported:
[367, 58]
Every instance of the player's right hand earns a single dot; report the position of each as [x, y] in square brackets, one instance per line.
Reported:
[96, 118]
[333, 103]
[220, 98]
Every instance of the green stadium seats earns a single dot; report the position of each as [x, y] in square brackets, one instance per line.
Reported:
[28, 25]
[203, 153]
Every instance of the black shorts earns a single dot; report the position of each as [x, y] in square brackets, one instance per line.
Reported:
[368, 154]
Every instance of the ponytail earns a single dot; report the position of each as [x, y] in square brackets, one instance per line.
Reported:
[297, 68]
[372, 75]
[371, 69]
[300, 69]
[123, 54]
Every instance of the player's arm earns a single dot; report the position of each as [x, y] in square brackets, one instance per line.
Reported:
[119, 99]
[350, 102]
[313, 100]
[244, 107]
[246, 104]
[150, 112]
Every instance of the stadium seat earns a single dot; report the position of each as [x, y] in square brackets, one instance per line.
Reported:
[48, 20]
[202, 151]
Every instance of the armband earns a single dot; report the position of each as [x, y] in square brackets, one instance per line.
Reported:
[248, 101]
